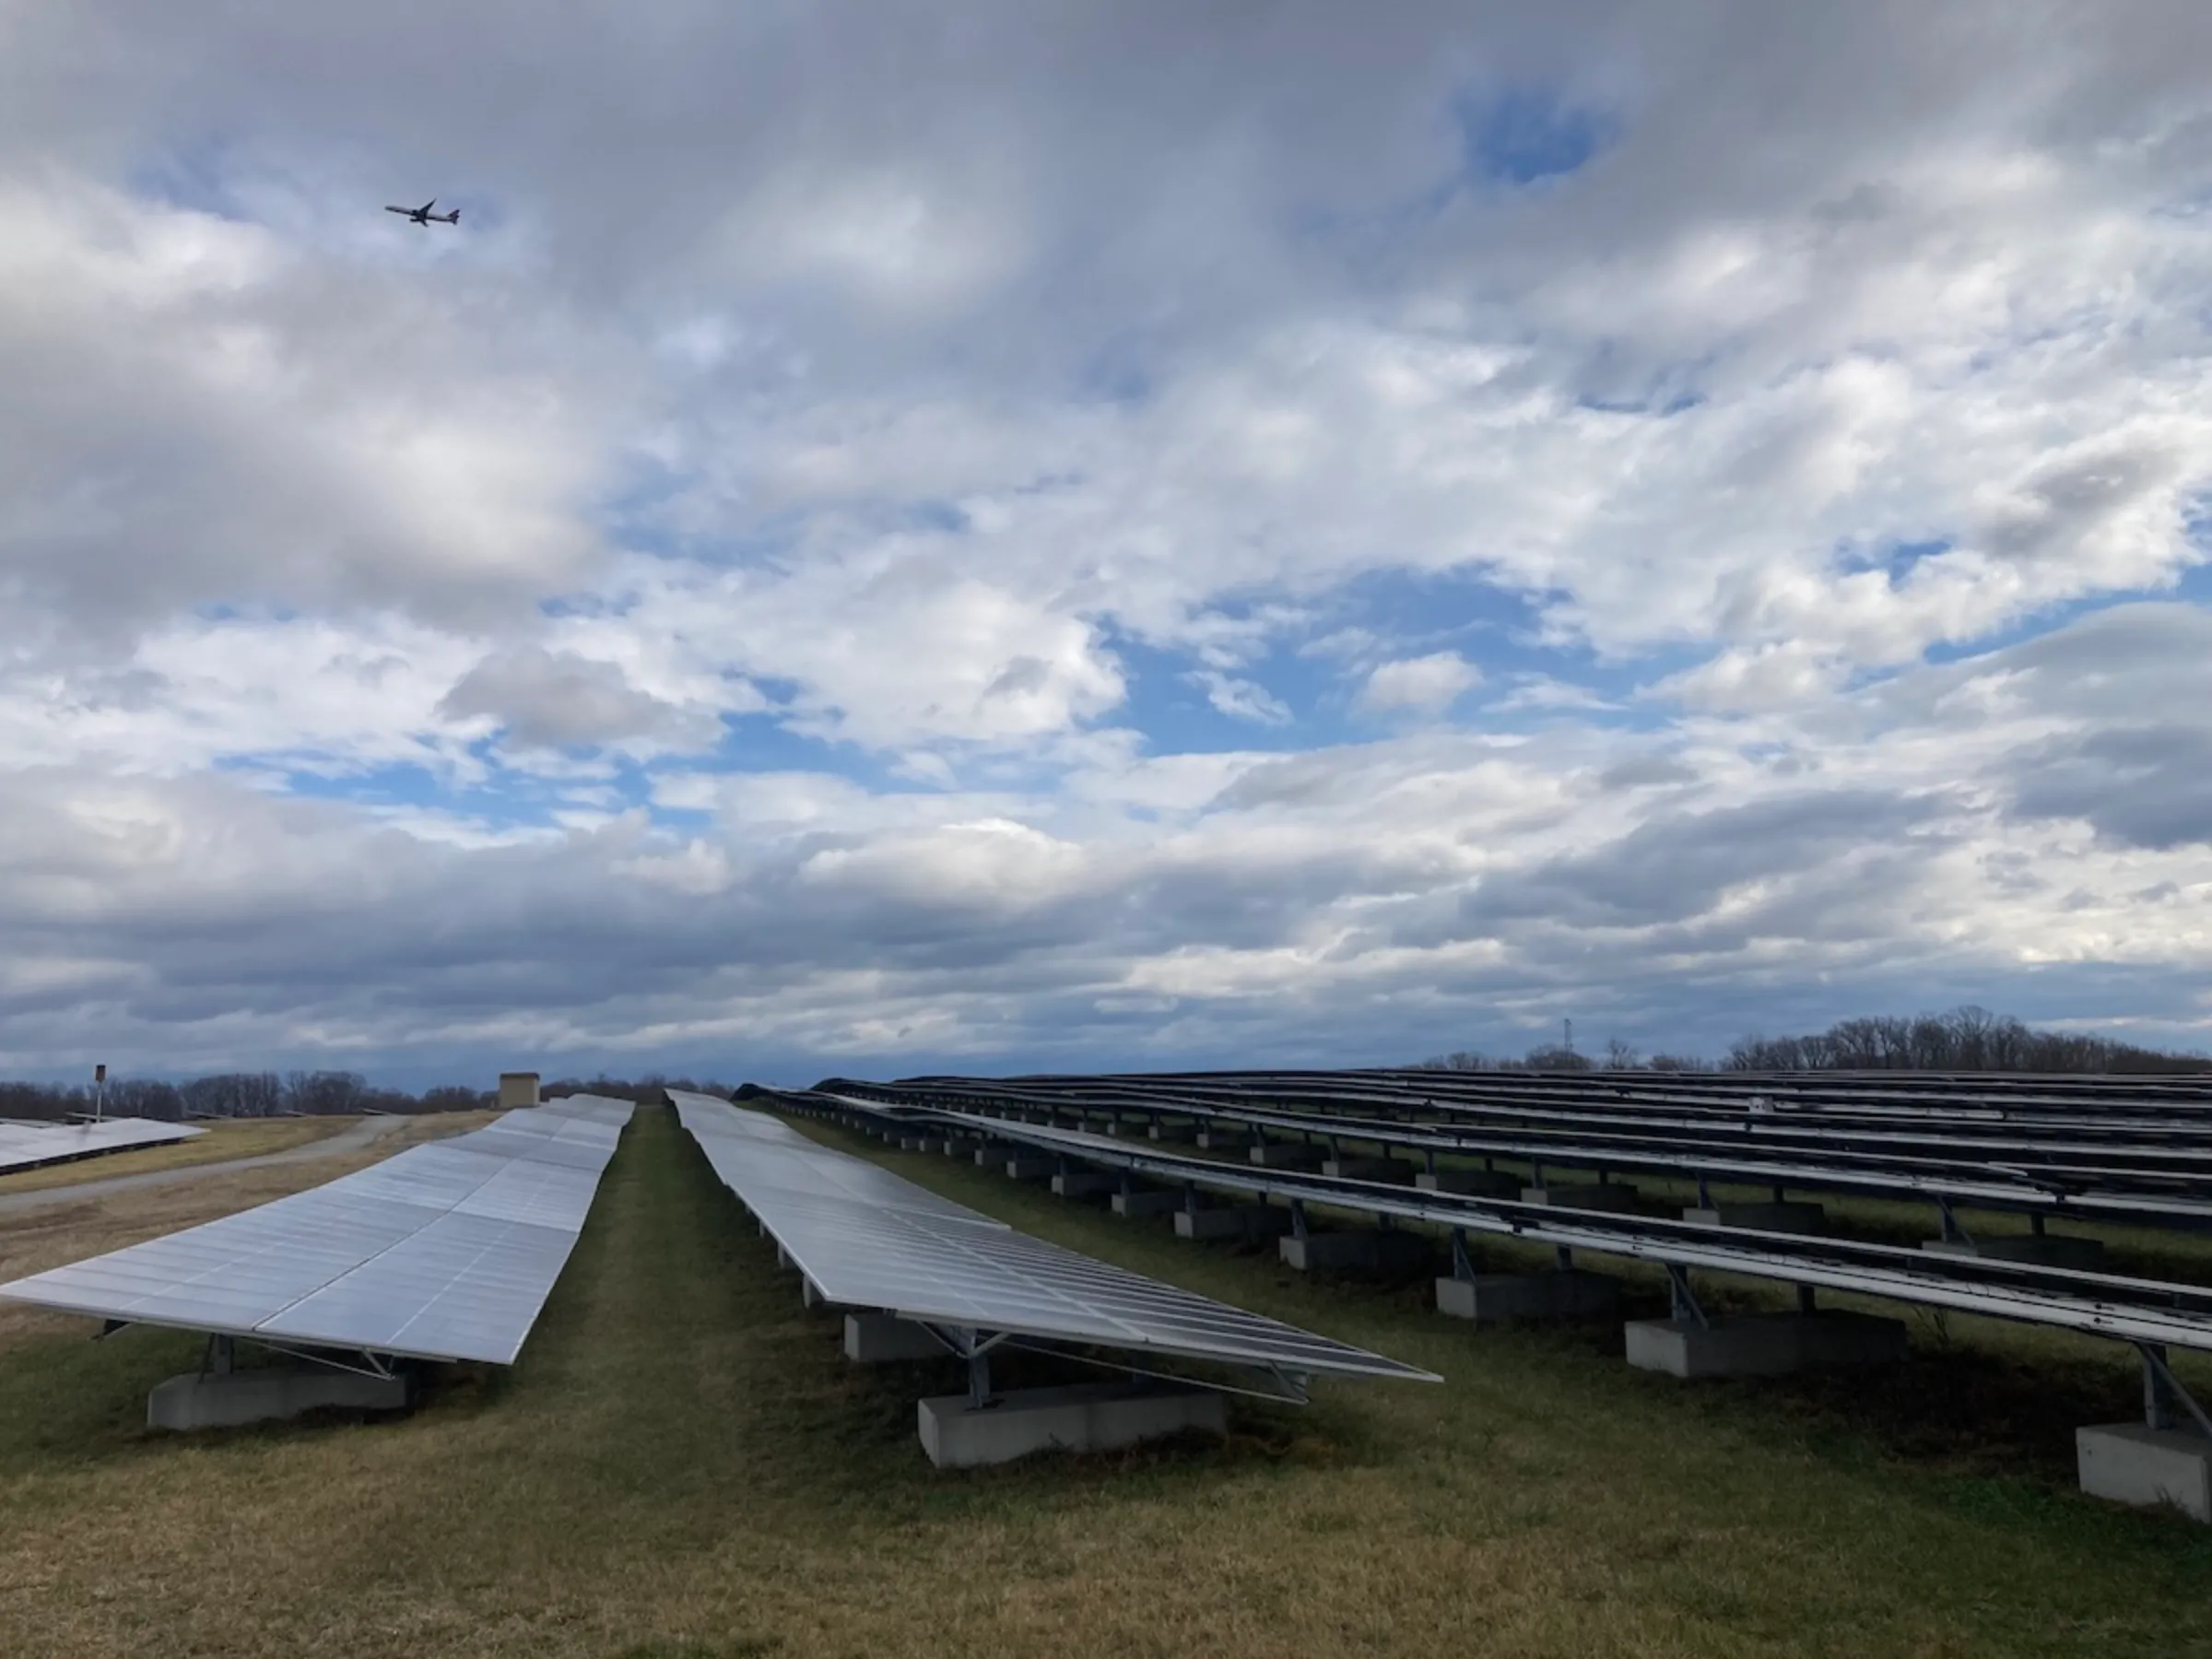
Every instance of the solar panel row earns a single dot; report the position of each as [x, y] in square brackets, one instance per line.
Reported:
[30, 1145]
[2153, 1177]
[444, 1251]
[867, 1239]
[2134, 1310]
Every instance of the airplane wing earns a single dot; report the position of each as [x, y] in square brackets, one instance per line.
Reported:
[427, 206]
[389, 208]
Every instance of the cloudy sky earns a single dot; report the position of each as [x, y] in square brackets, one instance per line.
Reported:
[1101, 533]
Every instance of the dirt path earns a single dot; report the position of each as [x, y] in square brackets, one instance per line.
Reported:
[360, 1138]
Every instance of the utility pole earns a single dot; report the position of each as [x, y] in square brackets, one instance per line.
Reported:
[1569, 1025]
[100, 1091]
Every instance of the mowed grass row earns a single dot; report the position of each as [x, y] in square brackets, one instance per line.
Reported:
[683, 1464]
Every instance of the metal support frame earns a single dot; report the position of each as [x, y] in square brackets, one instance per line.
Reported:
[1952, 1232]
[1463, 1265]
[1298, 1217]
[1704, 1194]
[1685, 1303]
[2162, 1391]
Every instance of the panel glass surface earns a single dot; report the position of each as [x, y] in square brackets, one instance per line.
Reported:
[946, 1264]
[443, 1251]
[25, 1145]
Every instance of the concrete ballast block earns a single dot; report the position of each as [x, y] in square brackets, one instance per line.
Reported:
[1555, 1293]
[1475, 1183]
[1144, 1203]
[225, 1399]
[880, 1338]
[1172, 1132]
[1365, 1247]
[1287, 1155]
[2130, 1462]
[1610, 1196]
[1082, 1184]
[1763, 1344]
[1233, 1221]
[1087, 1418]
[1781, 1216]
[1031, 1167]
[1224, 1140]
[1394, 1170]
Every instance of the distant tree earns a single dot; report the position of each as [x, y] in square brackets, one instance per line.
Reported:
[1555, 1058]
[1462, 1059]
[1621, 1056]
[1966, 1039]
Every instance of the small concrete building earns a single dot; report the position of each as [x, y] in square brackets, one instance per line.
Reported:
[517, 1088]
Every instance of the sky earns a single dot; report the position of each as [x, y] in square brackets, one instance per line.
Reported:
[1109, 535]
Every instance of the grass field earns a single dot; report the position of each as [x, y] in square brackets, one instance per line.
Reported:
[237, 1137]
[683, 1468]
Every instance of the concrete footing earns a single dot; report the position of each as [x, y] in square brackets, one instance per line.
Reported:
[1084, 1184]
[1608, 1196]
[1088, 1418]
[1557, 1293]
[225, 1399]
[1224, 1140]
[2150, 1467]
[1479, 1183]
[1144, 1203]
[880, 1338]
[1395, 1169]
[1172, 1132]
[1028, 1167]
[991, 1153]
[1233, 1221]
[2042, 1248]
[1780, 1216]
[1371, 1247]
[1287, 1155]
[1763, 1344]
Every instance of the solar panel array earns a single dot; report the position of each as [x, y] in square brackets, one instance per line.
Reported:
[2092, 1157]
[2132, 1309]
[444, 1251]
[30, 1145]
[867, 1239]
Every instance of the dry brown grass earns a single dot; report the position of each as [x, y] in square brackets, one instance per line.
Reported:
[683, 1466]
[240, 1137]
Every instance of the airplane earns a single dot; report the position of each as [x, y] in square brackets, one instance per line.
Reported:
[423, 216]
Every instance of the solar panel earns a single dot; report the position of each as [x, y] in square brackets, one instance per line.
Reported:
[919, 1256]
[444, 1251]
[26, 1146]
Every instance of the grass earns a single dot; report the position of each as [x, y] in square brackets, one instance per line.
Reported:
[682, 1466]
[238, 1138]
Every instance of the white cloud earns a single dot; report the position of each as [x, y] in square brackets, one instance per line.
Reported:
[926, 402]
[1427, 685]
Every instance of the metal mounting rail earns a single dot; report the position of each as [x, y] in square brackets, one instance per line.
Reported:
[2140, 1196]
[2132, 1310]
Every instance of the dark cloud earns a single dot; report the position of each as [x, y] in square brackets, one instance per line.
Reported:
[2142, 785]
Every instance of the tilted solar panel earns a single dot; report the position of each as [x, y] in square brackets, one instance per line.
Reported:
[28, 1145]
[443, 1252]
[925, 1259]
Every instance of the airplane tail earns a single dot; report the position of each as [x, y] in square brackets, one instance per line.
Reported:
[453, 217]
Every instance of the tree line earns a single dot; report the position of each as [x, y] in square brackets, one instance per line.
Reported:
[236, 1094]
[294, 1094]
[1966, 1039]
